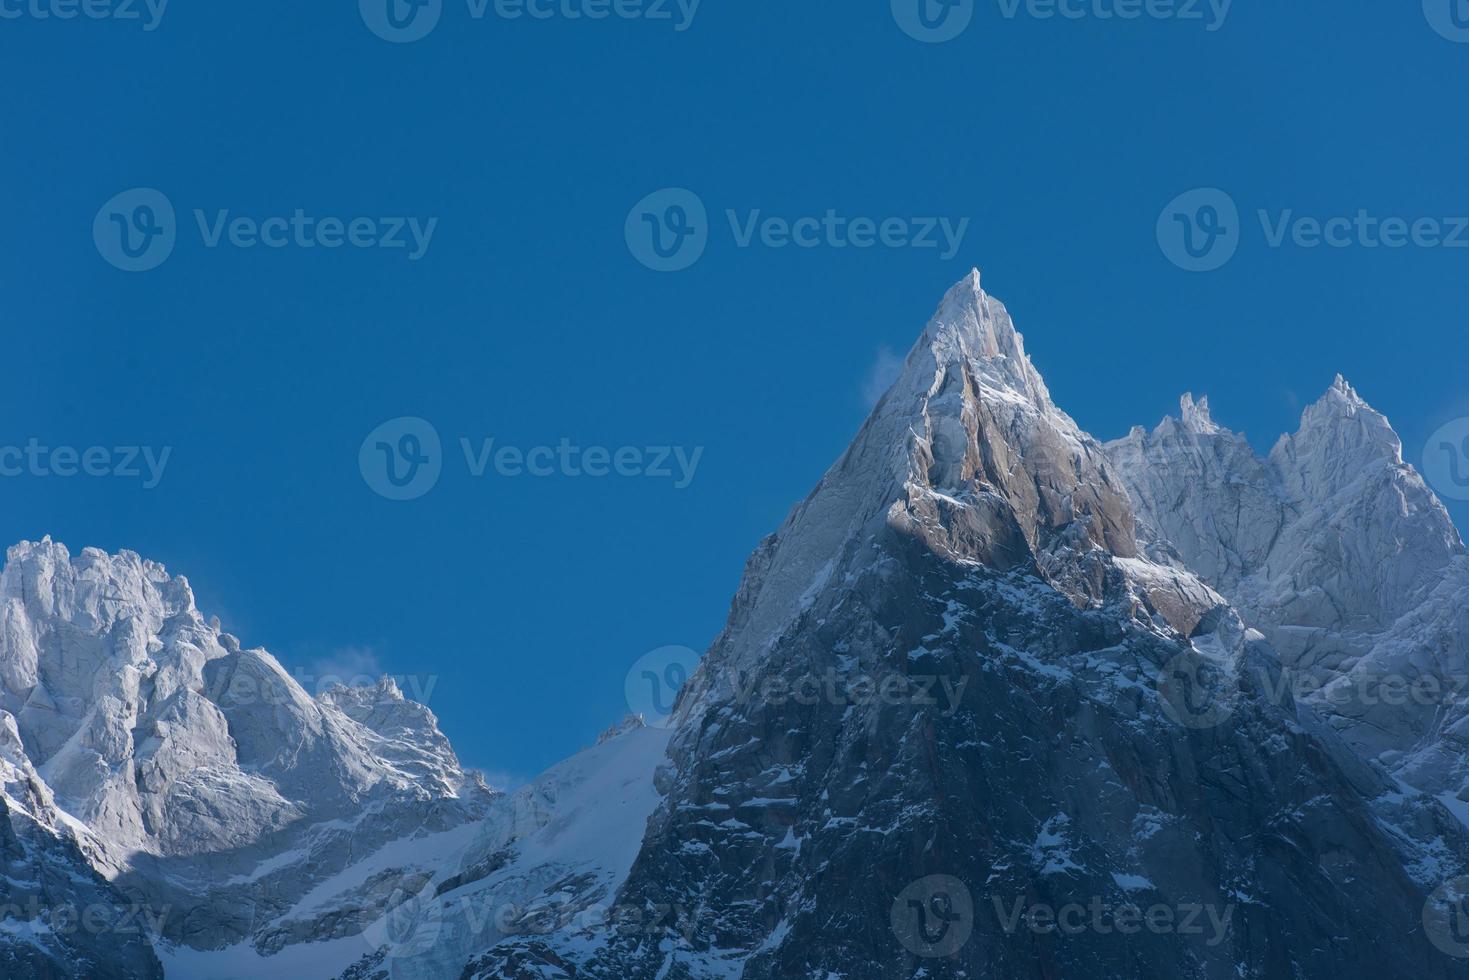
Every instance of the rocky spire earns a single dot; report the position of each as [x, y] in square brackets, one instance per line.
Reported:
[1196, 416]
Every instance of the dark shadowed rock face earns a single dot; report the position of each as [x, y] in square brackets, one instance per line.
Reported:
[59, 918]
[993, 702]
[959, 726]
[1058, 781]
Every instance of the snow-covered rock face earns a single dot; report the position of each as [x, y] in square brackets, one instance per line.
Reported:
[976, 556]
[967, 452]
[544, 867]
[1338, 551]
[59, 918]
[200, 776]
[987, 659]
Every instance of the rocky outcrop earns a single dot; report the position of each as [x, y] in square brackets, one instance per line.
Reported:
[59, 918]
[1336, 549]
[964, 720]
[197, 775]
[995, 700]
[546, 865]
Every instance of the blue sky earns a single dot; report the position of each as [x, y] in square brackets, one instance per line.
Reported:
[528, 319]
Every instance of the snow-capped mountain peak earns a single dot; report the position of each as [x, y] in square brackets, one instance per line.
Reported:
[973, 327]
[987, 659]
[191, 771]
[1337, 550]
[972, 536]
[1195, 415]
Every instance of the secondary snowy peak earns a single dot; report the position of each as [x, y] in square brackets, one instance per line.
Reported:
[192, 771]
[1334, 547]
[1340, 436]
[1339, 478]
[130, 704]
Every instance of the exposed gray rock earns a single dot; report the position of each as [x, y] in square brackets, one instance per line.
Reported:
[969, 717]
[1337, 550]
[198, 776]
[1071, 723]
[59, 918]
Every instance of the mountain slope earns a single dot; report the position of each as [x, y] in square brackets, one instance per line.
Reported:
[547, 861]
[59, 918]
[199, 777]
[995, 700]
[953, 690]
[1338, 551]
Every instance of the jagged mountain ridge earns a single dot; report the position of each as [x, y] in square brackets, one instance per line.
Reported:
[1339, 552]
[972, 536]
[197, 776]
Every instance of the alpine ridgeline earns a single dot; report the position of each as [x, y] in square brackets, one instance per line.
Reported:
[971, 717]
[996, 700]
[195, 786]
[1337, 550]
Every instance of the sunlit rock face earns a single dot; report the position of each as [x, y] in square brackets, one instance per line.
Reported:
[1340, 554]
[983, 557]
[995, 700]
[198, 776]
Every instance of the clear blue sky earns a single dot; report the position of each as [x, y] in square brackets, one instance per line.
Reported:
[529, 319]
